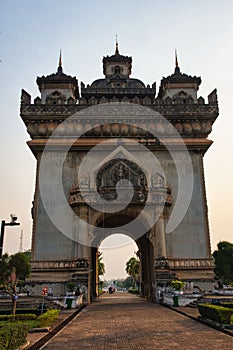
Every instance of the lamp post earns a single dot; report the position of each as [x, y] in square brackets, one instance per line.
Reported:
[12, 223]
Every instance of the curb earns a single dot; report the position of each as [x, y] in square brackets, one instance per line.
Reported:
[37, 345]
[24, 346]
[39, 330]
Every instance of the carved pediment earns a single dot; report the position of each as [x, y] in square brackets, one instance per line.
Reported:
[55, 98]
[114, 173]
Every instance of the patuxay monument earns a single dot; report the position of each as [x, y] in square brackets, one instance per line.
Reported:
[119, 156]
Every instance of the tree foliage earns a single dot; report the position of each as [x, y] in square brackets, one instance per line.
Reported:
[224, 262]
[18, 263]
[133, 270]
[124, 283]
[21, 263]
[101, 266]
[4, 269]
[13, 269]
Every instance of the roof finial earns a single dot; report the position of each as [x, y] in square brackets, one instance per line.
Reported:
[177, 68]
[177, 65]
[59, 69]
[117, 49]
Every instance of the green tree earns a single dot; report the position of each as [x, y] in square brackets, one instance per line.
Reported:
[128, 282]
[101, 266]
[125, 283]
[4, 269]
[223, 258]
[101, 271]
[12, 269]
[70, 286]
[21, 263]
[133, 269]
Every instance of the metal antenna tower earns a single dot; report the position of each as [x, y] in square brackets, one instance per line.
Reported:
[21, 242]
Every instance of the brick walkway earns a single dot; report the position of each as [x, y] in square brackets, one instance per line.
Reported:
[126, 322]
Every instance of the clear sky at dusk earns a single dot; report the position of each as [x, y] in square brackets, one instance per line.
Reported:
[32, 34]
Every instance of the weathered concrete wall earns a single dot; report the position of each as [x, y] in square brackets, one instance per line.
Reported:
[188, 240]
[50, 243]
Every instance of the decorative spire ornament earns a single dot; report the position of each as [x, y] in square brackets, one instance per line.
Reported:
[177, 65]
[117, 49]
[59, 69]
[177, 68]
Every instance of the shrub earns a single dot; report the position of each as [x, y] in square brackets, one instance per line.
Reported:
[19, 311]
[48, 317]
[133, 290]
[176, 284]
[216, 313]
[13, 335]
[227, 304]
[70, 286]
[18, 317]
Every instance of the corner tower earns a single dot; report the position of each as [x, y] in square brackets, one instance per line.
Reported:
[58, 88]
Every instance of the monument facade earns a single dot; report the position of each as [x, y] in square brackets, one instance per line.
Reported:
[131, 161]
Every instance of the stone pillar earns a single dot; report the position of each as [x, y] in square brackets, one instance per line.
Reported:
[84, 232]
[160, 237]
[83, 214]
[157, 235]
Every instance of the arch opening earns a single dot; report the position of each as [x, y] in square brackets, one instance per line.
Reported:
[117, 248]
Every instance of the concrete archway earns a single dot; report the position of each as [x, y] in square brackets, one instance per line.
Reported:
[145, 253]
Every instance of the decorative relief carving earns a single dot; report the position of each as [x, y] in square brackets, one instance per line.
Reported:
[186, 128]
[60, 264]
[37, 101]
[55, 98]
[25, 98]
[157, 181]
[84, 182]
[201, 100]
[158, 197]
[160, 106]
[114, 173]
[190, 120]
[162, 263]
[190, 263]
[212, 97]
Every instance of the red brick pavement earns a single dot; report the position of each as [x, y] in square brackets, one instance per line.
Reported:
[125, 322]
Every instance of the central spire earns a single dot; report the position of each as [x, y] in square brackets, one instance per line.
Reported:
[177, 68]
[59, 69]
[117, 48]
[117, 64]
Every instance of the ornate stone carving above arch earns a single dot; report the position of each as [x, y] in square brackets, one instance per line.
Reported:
[119, 153]
[114, 172]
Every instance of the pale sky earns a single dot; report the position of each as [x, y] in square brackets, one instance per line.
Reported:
[32, 34]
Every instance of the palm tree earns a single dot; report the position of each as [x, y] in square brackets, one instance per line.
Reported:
[101, 271]
[132, 269]
[101, 266]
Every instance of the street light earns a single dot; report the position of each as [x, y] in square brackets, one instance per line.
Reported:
[12, 223]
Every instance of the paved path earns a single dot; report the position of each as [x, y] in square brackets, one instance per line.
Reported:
[125, 322]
